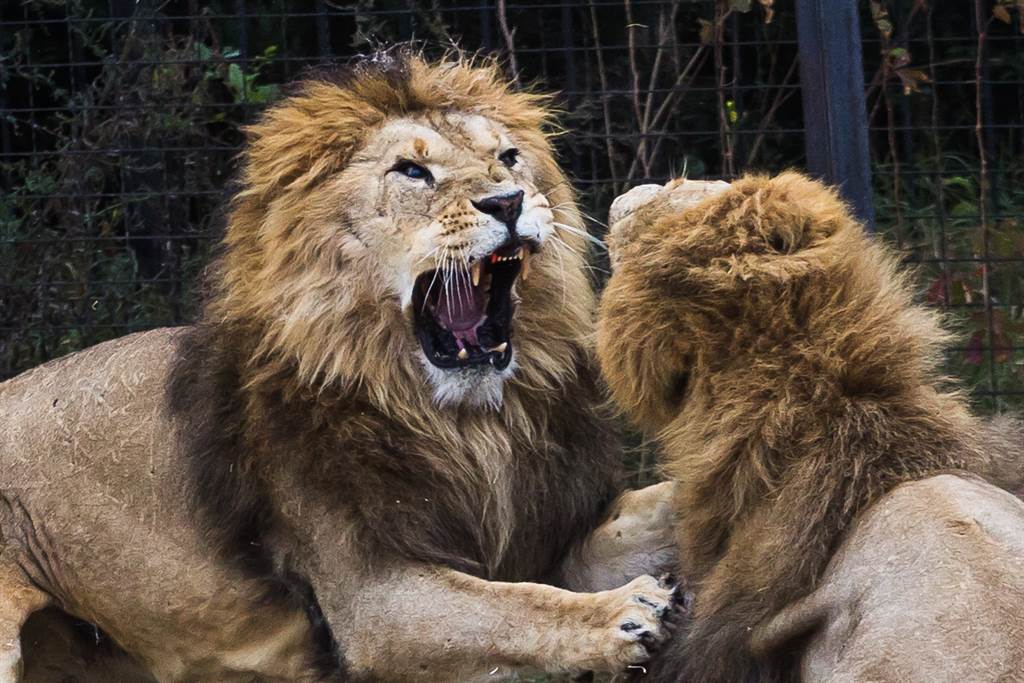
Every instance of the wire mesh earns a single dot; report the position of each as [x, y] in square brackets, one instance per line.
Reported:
[945, 102]
[120, 121]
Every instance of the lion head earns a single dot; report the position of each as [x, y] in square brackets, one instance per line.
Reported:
[723, 291]
[403, 227]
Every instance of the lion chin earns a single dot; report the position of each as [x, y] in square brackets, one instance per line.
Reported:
[480, 387]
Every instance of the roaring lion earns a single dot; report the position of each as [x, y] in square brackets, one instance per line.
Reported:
[380, 451]
[834, 524]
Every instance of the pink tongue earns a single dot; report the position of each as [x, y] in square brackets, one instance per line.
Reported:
[461, 310]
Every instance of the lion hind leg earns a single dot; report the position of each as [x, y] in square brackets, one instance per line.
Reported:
[18, 600]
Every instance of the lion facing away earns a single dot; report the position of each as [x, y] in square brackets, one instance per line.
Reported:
[776, 352]
[381, 449]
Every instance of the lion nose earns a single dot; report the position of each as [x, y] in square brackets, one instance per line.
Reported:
[505, 207]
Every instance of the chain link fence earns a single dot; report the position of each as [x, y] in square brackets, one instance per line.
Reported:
[120, 122]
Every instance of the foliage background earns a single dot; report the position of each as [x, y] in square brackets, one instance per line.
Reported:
[120, 121]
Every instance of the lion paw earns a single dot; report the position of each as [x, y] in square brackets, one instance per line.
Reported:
[630, 623]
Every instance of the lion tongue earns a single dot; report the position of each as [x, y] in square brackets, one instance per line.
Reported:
[461, 310]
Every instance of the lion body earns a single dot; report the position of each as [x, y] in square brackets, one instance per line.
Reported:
[926, 585]
[291, 489]
[777, 354]
[96, 510]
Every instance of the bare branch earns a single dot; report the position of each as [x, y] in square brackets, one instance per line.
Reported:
[982, 22]
[510, 42]
[605, 106]
[631, 27]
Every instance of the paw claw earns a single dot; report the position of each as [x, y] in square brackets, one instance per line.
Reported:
[643, 611]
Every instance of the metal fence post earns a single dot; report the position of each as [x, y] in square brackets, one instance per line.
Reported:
[832, 86]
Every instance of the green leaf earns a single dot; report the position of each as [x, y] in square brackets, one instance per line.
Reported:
[959, 181]
[964, 210]
[203, 52]
[261, 94]
[236, 81]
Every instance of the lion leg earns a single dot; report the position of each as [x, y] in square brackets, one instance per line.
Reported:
[638, 537]
[432, 624]
[18, 600]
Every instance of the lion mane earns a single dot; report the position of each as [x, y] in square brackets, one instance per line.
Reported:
[297, 373]
[776, 351]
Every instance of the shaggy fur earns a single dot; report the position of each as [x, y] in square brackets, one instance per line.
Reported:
[302, 362]
[776, 352]
[215, 497]
[305, 367]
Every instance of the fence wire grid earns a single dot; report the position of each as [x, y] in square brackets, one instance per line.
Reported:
[120, 122]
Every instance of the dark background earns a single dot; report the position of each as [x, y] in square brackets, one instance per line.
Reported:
[120, 122]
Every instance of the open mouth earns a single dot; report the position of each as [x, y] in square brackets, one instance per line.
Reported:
[465, 320]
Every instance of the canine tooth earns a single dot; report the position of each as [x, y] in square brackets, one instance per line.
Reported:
[524, 270]
[500, 348]
[463, 354]
[475, 271]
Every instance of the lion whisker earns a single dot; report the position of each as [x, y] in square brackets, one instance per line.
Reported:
[459, 272]
[427, 255]
[570, 205]
[588, 266]
[561, 264]
[430, 288]
[565, 244]
[447, 277]
[582, 233]
[594, 220]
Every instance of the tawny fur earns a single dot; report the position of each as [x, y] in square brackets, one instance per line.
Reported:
[777, 353]
[282, 491]
[299, 356]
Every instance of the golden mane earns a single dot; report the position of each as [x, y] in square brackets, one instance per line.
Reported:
[777, 352]
[305, 364]
[313, 324]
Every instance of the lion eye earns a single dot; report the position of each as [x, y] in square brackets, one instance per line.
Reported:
[509, 157]
[412, 170]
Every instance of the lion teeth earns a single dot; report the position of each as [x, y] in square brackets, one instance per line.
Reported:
[520, 255]
[475, 271]
[500, 348]
[463, 354]
[524, 256]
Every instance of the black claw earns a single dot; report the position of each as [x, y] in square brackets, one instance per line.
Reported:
[667, 580]
[644, 601]
[675, 616]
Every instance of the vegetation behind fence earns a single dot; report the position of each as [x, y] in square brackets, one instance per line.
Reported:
[120, 122]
